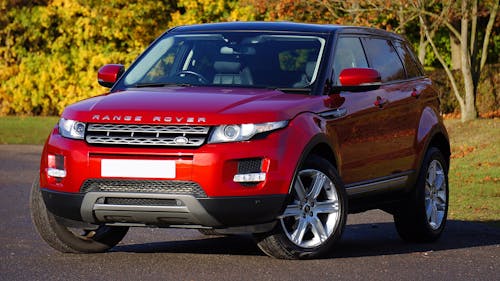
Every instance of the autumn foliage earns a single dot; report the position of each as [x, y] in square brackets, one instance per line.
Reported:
[50, 51]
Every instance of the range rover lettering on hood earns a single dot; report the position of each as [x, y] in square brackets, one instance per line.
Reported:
[138, 118]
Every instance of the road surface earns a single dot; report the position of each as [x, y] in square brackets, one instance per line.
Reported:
[369, 249]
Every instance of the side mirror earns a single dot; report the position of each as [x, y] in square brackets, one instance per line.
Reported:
[109, 74]
[358, 80]
[359, 76]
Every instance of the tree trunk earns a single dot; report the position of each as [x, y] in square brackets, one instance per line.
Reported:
[422, 46]
[456, 60]
[469, 112]
[440, 58]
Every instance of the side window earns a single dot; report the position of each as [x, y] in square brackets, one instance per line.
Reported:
[348, 54]
[383, 57]
[411, 67]
[415, 59]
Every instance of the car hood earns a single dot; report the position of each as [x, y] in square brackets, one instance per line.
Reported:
[195, 105]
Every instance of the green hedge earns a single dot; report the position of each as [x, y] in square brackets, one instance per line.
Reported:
[488, 92]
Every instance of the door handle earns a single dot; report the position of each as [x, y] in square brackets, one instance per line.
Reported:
[380, 102]
[415, 93]
[334, 114]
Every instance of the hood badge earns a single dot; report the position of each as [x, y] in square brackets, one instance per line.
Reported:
[181, 140]
[138, 118]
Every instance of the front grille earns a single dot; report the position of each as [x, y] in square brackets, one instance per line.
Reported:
[143, 186]
[151, 135]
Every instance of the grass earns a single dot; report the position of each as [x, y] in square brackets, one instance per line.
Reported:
[25, 130]
[474, 171]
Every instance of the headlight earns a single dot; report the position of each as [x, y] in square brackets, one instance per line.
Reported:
[71, 129]
[243, 132]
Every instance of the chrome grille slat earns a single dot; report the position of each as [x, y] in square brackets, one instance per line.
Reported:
[168, 129]
[150, 135]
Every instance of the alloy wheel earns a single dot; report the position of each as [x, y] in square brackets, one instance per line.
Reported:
[313, 215]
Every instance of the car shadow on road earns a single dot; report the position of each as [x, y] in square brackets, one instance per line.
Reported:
[243, 245]
[359, 240]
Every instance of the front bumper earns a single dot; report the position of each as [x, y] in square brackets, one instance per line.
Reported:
[164, 210]
[220, 201]
[211, 166]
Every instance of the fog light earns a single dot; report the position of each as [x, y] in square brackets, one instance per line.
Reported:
[56, 166]
[52, 172]
[253, 177]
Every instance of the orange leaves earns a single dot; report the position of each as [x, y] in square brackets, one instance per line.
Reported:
[490, 179]
[463, 151]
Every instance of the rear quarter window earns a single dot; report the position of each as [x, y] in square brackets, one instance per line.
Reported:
[411, 66]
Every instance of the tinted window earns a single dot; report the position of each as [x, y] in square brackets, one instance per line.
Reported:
[232, 59]
[348, 54]
[383, 57]
[411, 67]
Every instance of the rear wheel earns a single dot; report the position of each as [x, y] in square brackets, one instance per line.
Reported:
[423, 218]
[79, 238]
[315, 216]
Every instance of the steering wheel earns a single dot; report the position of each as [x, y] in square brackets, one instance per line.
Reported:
[198, 76]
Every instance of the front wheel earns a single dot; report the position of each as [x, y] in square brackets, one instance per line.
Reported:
[315, 216]
[83, 238]
[423, 217]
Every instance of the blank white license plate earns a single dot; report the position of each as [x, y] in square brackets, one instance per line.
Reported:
[164, 169]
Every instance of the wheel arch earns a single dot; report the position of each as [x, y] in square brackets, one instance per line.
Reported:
[432, 132]
[440, 141]
[318, 145]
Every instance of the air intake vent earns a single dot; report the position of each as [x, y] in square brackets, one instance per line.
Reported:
[143, 186]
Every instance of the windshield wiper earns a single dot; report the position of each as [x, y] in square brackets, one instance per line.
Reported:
[292, 90]
[146, 85]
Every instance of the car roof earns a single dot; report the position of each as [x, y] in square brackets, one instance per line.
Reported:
[283, 27]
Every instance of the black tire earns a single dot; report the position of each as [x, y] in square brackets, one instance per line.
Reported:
[208, 232]
[95, 238]
[423, 217]
[312, 221]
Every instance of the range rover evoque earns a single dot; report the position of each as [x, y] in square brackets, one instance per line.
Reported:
[275, 129]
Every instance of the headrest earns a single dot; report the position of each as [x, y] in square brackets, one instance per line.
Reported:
[227, 67]
[310, 66]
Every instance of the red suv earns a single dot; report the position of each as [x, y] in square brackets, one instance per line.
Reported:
[274, 129]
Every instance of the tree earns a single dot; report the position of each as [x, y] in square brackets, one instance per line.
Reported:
[50, 51]
[473, 46]
[201, 11]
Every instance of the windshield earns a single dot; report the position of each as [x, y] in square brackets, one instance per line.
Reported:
[239, 59]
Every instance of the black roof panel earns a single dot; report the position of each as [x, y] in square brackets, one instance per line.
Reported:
[283, 27]
[259, 26]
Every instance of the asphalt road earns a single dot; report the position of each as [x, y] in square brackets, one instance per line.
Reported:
[369, 250]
